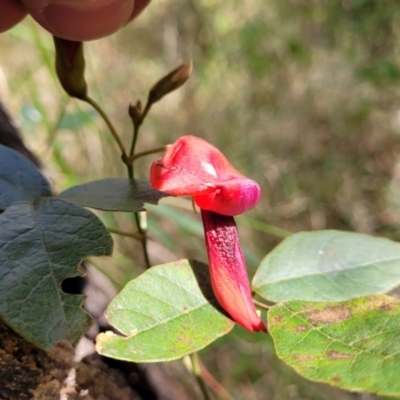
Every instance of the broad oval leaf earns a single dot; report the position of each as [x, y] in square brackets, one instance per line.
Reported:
[20, 180]
[353, 345]
[328, 265]
[113, 194]
[166, 313]
[41, 244]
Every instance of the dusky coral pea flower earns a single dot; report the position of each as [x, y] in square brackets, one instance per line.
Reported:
[83, 20]
[193, 167]
[11, 12]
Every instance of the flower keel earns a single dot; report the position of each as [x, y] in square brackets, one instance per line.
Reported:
[228, 270]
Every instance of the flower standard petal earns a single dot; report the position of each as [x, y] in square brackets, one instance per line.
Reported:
[228, 270]
[193, 167]
[174, 180]
[185, 168]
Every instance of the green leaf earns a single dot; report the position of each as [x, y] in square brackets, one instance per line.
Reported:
[353, 345]
[166, 313]
[328, 265]
[19, 179]
[113, 194]
[41, 244]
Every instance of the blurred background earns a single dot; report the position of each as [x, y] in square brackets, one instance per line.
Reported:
[301, 96]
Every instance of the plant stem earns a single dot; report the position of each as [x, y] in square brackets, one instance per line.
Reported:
[125, 159]
[134, 157]
[214, 385]
[131, 174]
[194, 358]
[136, 236]
[261, 305]
[142, 232]
[136, 126]
[113, 131]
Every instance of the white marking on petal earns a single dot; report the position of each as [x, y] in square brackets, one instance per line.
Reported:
[209, 168]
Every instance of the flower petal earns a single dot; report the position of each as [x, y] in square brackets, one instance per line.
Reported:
[231, 197]
[197, 156]
[228, 270]
[170, 178]
[193, 167]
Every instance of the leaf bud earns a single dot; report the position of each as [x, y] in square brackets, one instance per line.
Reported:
[135, 111]
[170, 82]
[70, 67]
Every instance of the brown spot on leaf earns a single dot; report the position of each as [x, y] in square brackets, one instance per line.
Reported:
[301, 328]
[336, 378]
[328, 315]
[386, 306]
[303, 358]
[278, 318]
[330, 253]
[336, 355]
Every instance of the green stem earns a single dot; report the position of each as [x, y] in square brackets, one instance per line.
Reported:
[134, 138]
[131, 173]
[125, 159]
[136, 126]
[143, 241]
[161, 149]
[113, 131]
[194, 358]
[261, 305]
[136, 236]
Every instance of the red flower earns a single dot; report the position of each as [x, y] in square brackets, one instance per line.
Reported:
[193, 167]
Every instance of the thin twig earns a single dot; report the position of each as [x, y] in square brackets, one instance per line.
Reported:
[261, 305]
[194, 358]
[136, 126]
[136, 236]
[220, 391]
[161, 149]
[125, 159]
[113, 131]
[143, 233]
[131, 174]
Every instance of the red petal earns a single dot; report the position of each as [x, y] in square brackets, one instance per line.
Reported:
[193, 167]
[194, 156]
[228, 270]
[232, 197]
[172, 180]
